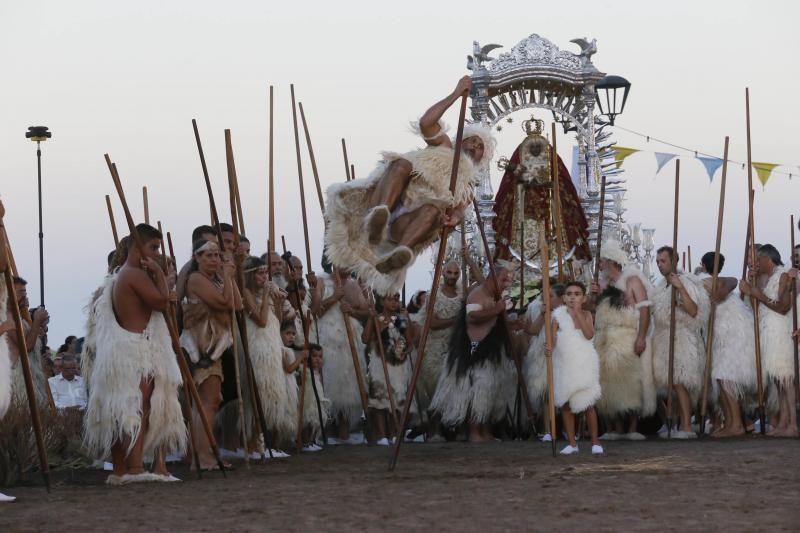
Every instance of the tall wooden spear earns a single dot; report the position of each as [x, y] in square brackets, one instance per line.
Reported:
[794, 320]
[346, 162]
[181, 356]
[271, 237]
[437, 274]
[558, 222]
[22, 348]
[359, 375]
[111, 219]
[714, 281]
[673, 301]
[753, 301]
[548, 333]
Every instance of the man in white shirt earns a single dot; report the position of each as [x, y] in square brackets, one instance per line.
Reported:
[68, 388]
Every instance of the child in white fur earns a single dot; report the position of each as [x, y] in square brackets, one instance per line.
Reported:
[576, 366]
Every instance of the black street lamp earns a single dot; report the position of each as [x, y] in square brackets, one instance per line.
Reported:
[39, 134]
[609, 102]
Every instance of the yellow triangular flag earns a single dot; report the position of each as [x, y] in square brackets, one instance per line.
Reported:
[764, 170]
[621, 153]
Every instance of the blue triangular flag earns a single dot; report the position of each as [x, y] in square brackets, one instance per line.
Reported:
[712, 164]
[662, 159]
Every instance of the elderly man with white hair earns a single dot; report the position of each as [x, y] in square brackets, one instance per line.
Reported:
[623, 344]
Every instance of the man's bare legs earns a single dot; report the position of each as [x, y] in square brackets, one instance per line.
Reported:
[787, 421]
[568, 419]
[391, 186]
[209, 391]
[731, 412]
[133, 462]
[344, 428]
[685, 407]
[479, 433]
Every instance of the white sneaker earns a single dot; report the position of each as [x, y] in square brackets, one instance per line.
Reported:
[634, 436]
[684, 435]
[166, 478]
[333, 441]
[312, 448]
[569, 450]
[597, 449]
[547, 438]
[610, 435]
[6, 498]
[279, 454]
[663, 429]
[224, 453]
[383, 442]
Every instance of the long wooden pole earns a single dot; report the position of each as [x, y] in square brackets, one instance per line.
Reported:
[382, 354]
[673, 301]
[548, 334]
[437, 274]
[753, 301]
[243, 327]
[348, 326]
[271, 238]
[146, 204]
[689, 259]
[794, 319]
[714, 281]
[558, 223]
[186, 392]
[346, 162]
[600, 222]
[22, 348]
[113, 223]
[181, 355]
[255, 393]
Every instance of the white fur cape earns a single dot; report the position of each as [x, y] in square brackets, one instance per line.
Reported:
[290, 384]
[733, 350]
[576, 366]
[535, 363]
[625, 377]
[5, 361]
[266, 354]
[123, 360]
[777, 350]
[338, 373]
[472, 398]
[689, 348]
[346, 244]
[436, 348]
[90, 340]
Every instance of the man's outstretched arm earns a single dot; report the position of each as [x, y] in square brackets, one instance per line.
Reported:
[429, 122]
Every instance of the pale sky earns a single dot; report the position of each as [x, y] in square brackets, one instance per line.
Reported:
[127, 78]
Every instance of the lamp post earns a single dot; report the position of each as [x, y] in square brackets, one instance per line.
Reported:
[39, 134]
[609, 102]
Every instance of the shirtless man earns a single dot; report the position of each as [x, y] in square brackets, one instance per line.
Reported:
[135, 372]
[470, 383]
[775, 324]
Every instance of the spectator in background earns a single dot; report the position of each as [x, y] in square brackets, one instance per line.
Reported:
[67, 387]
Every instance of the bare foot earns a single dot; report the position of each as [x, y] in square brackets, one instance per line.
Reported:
[783, 432]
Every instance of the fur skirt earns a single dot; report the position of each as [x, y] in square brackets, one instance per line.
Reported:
[310, 412]
[123, 361]
[733, 358]
[399, 378]
[777, 348]
[346, 243]
[576, 366]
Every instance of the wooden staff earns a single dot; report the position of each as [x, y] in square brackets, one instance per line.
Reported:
[521, 200]
[180, 354]
[437, 274]
[255, 394]
[352, 171]
[26, 370]
[558, 222]
[673, 301]
[271, 238]
[714, 281]
[794, 320]
[600, 221]
[240, 281]
[313, 159]
[464, 268]
[186, 392]
[382, 354]
[146, 206]
[346, 162]
[747, 243]
[753, 300]
[359, 375]
[689, 258]
[113, 224]
[683, 263]
[239, 215]
[548, 332]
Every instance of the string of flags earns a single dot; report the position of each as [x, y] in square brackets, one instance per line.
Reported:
[764, 170]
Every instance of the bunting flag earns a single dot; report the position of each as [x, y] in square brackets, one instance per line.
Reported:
[621, 152]
[662, 159]
[712, 164]
[764, 170]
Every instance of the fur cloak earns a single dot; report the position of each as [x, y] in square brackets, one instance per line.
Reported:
[436, 349]
[5, 357]
[625, 377]
[469, 387]
[310, 413]
[689, 349]
[90, 340]
[777, 350]
[346, 239]
[266, 354]
[535, 365]
[293, 401]
[576, 366]
[733, 351]
[123, 360]
[338, 374]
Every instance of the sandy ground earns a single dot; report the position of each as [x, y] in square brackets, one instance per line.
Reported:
[743, 485]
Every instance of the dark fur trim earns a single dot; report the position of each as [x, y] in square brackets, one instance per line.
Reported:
[459, 353]
[616, 298]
